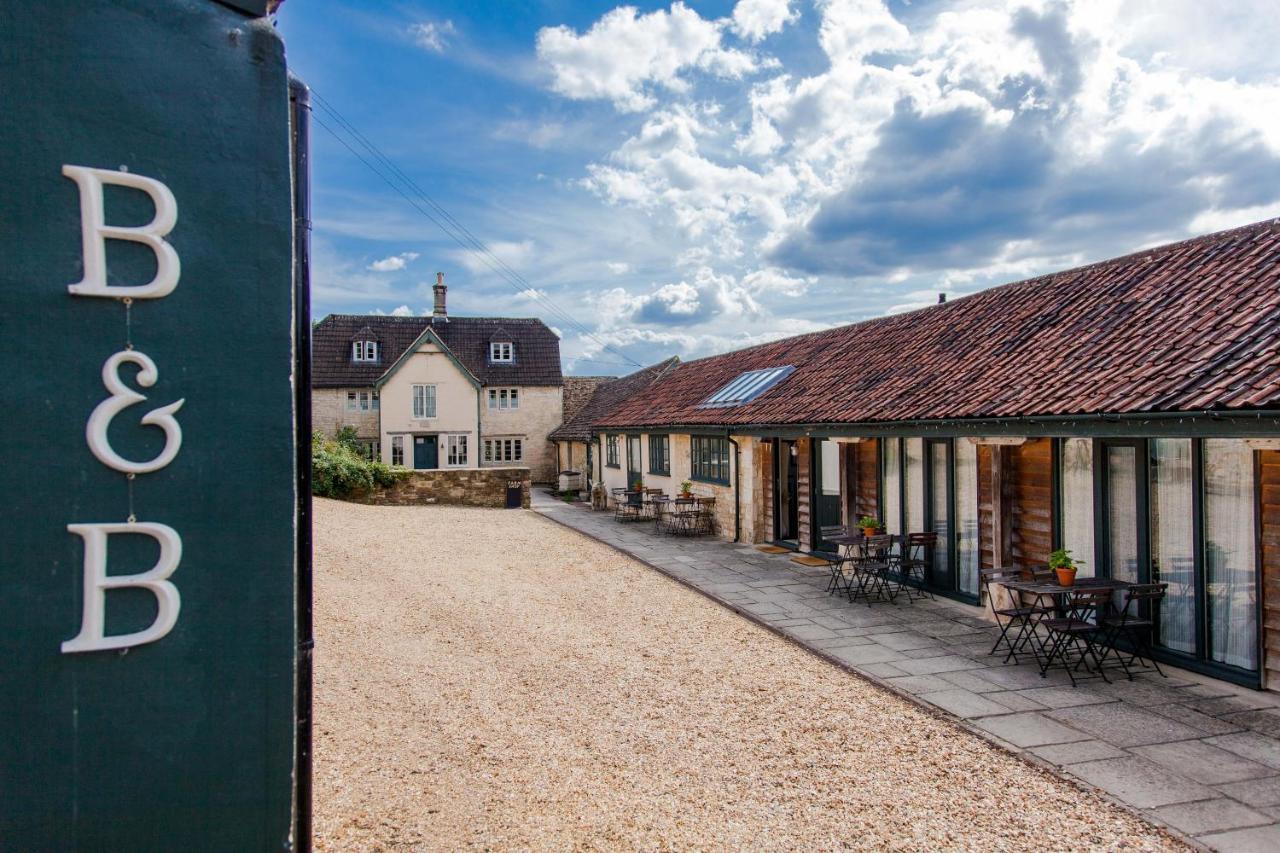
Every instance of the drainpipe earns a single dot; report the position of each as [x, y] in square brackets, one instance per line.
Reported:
[737, 487]
[300, 107]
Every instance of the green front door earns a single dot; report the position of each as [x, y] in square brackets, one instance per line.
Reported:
[426, 452]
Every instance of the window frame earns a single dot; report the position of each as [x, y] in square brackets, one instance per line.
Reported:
[397, 449]
[660, 454]
[413, 402]
[364, 352]
[700, 446]
[611, 451]
[503, 399]
[353, 401]
[502, 352]
[454, 441]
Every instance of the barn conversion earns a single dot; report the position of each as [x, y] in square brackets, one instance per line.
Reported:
[1128, 410]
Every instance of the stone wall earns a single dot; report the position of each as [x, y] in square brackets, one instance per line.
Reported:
[329, 413]
[541, 408]
[486, 487]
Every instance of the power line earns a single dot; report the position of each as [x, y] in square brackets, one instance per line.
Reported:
[447, 223]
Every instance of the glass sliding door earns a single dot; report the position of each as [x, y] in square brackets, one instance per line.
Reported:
[786, 508]
[891, 484]
[1172, 538]
[968, 545]
[1120, 552]
[1231, 569]
[937, 495]
[1076, 484]
[827, 493]
[633, 461]
[915, 498]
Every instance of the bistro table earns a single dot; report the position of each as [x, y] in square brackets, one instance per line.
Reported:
[1058, 594]
[871, 570]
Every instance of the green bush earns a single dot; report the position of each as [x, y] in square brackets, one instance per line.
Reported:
[338, 469]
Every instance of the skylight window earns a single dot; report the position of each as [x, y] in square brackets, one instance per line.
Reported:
[746, 387]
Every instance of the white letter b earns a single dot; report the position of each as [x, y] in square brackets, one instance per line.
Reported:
[96, 582]
[94, 232]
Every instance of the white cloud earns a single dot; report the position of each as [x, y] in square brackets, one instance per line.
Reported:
[756, 19]
[394, 262]
[773, 281]
[625, 55]
[517, 254]
[402, 311]
[618, 267]
[432, 35]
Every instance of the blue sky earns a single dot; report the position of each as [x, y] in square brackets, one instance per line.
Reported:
[686, 178]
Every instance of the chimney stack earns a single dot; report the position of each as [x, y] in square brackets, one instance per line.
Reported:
[440, 289]
[942, 297]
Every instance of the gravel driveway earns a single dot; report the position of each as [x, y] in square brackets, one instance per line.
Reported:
[488, 679]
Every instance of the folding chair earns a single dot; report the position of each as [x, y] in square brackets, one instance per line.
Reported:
[871, 570]
[917, 557]
[1023, 617]
[1135, 627]
[1078, 633]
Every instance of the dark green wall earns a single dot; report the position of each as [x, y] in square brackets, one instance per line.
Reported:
[185, 743]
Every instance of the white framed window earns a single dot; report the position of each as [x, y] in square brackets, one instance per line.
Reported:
[364, 401]
[457, 450]
[374, 396]
[501, 351]
[424, 402]
[503, 449]
[364, 351]
[353, 401]
[504, 398]
[397, 450]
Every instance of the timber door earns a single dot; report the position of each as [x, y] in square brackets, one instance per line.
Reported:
[426, 452]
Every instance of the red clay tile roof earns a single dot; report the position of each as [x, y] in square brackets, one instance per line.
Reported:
[537, 349]
[609, 395]
[1191, 326]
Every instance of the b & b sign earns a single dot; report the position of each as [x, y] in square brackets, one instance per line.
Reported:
[148, 543]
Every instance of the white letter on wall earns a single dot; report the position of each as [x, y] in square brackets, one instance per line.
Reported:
[95, 432]
[95, 232]
[96, 582]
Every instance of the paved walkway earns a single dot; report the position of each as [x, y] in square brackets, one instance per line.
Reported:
[1193, 753]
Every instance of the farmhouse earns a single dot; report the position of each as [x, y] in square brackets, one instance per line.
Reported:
[1127, 410]
[441, 392]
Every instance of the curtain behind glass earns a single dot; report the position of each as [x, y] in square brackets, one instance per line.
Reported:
[830, 519]
[1077, 502]
[891, 506]
[967, 542]
[1230, 563]
[1122, 512]
[1173, 541]
[940, 511]
[915, 485]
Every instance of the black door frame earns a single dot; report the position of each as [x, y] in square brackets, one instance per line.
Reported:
[794, 511]
[953, 585]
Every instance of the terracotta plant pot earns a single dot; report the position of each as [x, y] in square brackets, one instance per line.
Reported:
[686, 494]
[1066, 577]
[868, 531]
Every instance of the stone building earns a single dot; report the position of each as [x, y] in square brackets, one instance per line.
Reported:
[440, 391]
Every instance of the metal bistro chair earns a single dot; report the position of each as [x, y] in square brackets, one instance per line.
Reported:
[917, 557]
[1135, 627]
[1078, 633]
[1021, 616]
[840, 582]
[623, 509]
[704, 521]
[871, 570]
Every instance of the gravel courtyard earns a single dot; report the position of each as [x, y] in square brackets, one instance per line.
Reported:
[488, 679]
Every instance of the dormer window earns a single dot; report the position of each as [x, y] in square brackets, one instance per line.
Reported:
[502, 352]
[364, 351]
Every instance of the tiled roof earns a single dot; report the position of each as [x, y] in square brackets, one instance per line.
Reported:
[578, 391]
[537, 349]
[608, 396]
[1190, 326]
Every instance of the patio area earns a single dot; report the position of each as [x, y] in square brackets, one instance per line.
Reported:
[1196, 754]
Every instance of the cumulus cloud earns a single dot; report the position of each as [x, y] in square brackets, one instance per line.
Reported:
[517, 254]
[393, 263]
[626, 55]
[756, 19]
[432, 35]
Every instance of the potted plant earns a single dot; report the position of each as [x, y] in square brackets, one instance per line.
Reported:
[686, 489]
[1064, 566]
[869, 525]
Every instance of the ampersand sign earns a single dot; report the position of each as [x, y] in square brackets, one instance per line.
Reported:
[121, 398]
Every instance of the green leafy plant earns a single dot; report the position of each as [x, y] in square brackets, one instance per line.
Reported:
[1062, 559]
[339, 470]
[868, 521]
[686, 486]
[637, 485]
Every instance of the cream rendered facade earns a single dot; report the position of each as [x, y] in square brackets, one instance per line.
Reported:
[745, 467]
[456, 411]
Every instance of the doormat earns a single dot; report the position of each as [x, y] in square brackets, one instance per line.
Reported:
[771, 549]
[809, 561]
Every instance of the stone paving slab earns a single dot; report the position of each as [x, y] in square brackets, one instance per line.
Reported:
[1199, 755]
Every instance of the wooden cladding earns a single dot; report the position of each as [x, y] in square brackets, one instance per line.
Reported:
[804, 491]
[1269, 495]
[1028, 489]
[866, 479]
